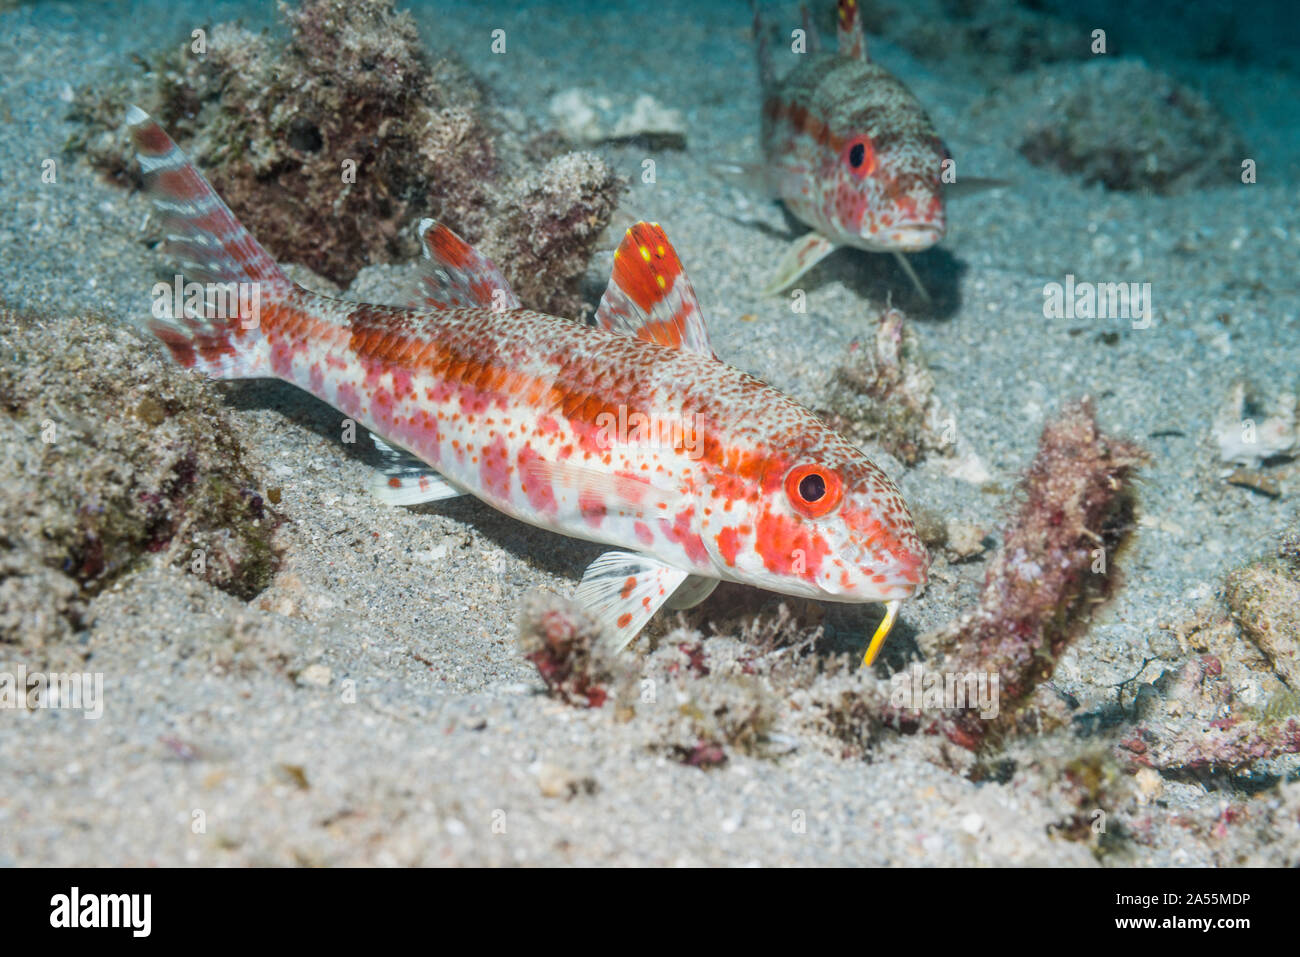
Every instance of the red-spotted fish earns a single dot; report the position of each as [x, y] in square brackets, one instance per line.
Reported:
[631, 433]
[850, 151]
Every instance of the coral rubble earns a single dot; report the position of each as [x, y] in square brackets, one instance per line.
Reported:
[563, 641]
[885, 393]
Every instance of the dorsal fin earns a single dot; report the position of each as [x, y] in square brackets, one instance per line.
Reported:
[810, 29]
[455, 274]
[849, 28]
[766, 73]
[649, 296]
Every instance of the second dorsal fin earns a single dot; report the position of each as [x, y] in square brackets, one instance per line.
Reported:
[456, 274]
[649, 296]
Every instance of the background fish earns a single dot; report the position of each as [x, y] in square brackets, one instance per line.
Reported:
[551, 421]
[850, 151]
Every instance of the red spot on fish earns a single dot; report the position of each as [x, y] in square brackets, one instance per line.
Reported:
[539, 492]
[348, 401]
[680, 531]
[728, 545]
[788, 547]
[495, 469]
[592, 506]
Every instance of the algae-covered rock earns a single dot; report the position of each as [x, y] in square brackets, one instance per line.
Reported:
[110, 456]
[1124, 125]
[564, 642]
[330, 148]
[1055, 567]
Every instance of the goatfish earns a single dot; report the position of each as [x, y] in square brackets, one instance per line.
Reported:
[850, 152]
[629, 432]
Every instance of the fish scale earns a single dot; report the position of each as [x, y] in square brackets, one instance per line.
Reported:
[545, 419]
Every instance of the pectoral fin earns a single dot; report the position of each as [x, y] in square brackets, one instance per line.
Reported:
[802, 255]
[624, 590]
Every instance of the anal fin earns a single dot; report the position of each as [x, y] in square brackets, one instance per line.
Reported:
[403, 479]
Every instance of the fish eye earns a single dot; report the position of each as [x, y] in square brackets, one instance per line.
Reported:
[813, 490]
[861, 156]
[812, 487]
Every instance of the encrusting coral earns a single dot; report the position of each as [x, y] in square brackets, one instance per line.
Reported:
[1221, 711]
[331, 148]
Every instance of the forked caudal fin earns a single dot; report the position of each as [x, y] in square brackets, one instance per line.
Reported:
[212, 322]
[766, 74]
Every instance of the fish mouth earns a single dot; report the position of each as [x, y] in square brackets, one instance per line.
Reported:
[913, 237]
[906, 571]
[894, 583]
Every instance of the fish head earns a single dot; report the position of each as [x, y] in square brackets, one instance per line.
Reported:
[819, 519]
[887, 191]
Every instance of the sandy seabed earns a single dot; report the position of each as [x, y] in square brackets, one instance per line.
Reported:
[371, 706]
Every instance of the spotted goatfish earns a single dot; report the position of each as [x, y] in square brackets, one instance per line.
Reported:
[554, 422]
[850, 151]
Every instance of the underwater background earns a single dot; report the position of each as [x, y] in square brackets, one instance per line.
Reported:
[341, 682]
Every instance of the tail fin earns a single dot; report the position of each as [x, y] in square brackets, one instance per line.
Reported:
[765, 73]
[211, 323]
